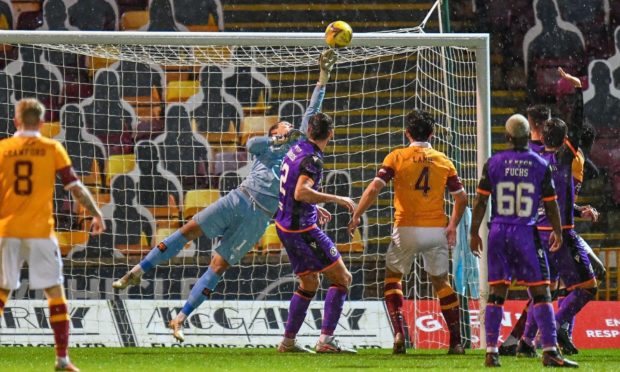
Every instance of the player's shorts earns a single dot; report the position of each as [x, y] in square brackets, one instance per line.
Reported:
[571, 263]
[44, 262]
[309, 251]
[238, 223]
[409, 241]
[515, 252]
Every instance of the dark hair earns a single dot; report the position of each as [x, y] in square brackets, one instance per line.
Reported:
[554, 132]
[420, 125]
[588, 135]
[272, 128]
[319, 126]
[539, 114]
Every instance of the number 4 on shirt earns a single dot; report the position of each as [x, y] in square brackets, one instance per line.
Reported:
[422, 182]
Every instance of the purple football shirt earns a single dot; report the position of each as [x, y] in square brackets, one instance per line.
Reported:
[517, 180]
[304, 158]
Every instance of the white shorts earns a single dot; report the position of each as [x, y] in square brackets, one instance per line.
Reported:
[44, 262]
[407, 242]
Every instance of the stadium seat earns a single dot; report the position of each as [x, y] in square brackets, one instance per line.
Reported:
[180, 91]
[119, 164]
[188, 249]
[229, 136]
[195, 200]
[256, 126]
[135, 249]
[356, 244]
[134, 20]
[68, 239]
[50, 130]
[96, 63]
[270, 242]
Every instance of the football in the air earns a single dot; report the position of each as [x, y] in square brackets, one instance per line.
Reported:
[338, 34]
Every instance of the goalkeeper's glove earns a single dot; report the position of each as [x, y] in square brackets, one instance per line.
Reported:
[293, 135]
[327, 60]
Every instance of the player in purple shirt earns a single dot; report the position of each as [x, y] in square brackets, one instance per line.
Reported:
[570, 263]
[310, 250]
[517, 179]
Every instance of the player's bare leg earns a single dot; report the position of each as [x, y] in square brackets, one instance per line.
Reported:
[59, 321]
[164, 251]
[393, 296]
[308, 285]
[200, 292]
[450, 308]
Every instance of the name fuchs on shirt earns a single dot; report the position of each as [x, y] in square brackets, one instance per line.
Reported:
[517, 167]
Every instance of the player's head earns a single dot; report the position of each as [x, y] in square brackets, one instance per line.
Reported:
[537, 115]
[29, 114]
[518, 131]
[280, 128]
[554, 132]
[320, 127]
[420, 126]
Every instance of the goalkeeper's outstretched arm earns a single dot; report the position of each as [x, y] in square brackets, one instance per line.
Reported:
[327, 60]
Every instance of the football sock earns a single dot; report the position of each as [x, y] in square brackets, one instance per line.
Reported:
[201, 291]
[492, 323]
[571, 321]
[4, 297]
[334, 301]
[164, 251]
[59, 321]
[393, 293]
[449, 303]
[297, 312]
[573, 303]
[518, 329]
[543, 313]
[531, 328]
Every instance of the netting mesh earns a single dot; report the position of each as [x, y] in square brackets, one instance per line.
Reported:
[159, 132]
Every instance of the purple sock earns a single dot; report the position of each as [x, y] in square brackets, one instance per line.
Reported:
[572, 304]
[492, 323]
[297, 312]
[571, 322]
[531, 328]
[543, 312]
[333, 308]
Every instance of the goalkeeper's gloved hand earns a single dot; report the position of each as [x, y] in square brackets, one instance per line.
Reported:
[292, 136]
[327, 60]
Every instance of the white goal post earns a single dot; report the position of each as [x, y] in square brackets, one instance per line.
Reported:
[183, 142]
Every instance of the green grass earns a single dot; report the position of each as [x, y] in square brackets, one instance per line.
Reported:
[151, 360]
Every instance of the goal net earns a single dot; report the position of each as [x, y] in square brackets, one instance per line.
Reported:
[156, 126]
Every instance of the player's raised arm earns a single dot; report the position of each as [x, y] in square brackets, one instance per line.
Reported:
[575, 124]
[327, 60]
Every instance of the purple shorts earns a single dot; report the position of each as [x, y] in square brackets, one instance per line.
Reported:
[515, 253]
[309, 251]
[571, 262]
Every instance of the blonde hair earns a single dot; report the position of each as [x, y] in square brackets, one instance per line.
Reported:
[29, 112]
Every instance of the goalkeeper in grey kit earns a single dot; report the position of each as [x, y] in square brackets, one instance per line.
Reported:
[239, 218]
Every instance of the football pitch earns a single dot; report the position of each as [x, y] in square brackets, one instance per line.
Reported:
[210, 359]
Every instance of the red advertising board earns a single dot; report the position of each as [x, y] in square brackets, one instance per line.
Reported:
[597, 325]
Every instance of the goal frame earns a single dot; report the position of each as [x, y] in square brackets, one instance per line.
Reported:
[477, 42]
